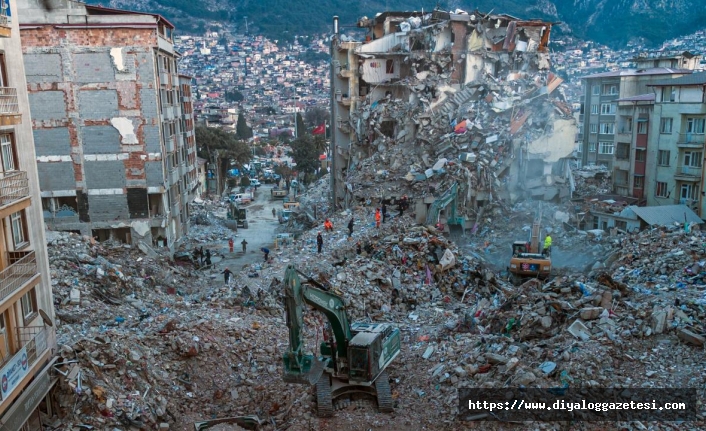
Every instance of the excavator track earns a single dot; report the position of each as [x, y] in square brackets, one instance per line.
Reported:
[324, 403]
[384, 394]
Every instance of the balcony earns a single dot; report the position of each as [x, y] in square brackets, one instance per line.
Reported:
[346, 73]
[21, 270]
[65, 214]
[6, 21]
[169, 143]
[9, 109]
[688, 173]
[691, 140]
[32, 342]
[14, 187]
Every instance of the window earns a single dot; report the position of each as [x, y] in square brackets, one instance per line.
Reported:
[596, 90]
[665, 125]
[605, 148]
[663, 158]
[29, 305]
[608, 108]
[689, 192]
[591, 147]
[622, 151]
[19, 233]
[695, 125]
[593, 128]
[9, 158]
[594, 109]
[640, 155]
[638, 182]
[390, 66]
[610, 89]
[669, 94]
[627, 125]
[661, 190]
[607, 128]
[693, 159]
[642, 127]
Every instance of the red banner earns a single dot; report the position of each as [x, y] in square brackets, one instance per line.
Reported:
[320, 130]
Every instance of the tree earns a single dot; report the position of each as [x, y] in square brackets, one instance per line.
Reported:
[242, 131]
[224, 146]
[315, 115]
[234, 95]
[305, 155]
[301, 128]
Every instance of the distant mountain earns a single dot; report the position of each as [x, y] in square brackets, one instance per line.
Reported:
[612, 22]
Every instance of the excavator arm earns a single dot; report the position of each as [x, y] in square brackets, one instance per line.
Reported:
[441, 203]
[298, 367]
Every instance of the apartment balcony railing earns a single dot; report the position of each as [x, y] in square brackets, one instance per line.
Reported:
[21, 269]
[691, 140]
[32, 341]
[9, 108]
[688, 173]
[13, 187]
[5, 20]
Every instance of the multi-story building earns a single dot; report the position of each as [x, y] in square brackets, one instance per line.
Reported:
[676, 146]
[599, 123]
[631, 139]
[27, 338]
[189, 163]
[109, 126]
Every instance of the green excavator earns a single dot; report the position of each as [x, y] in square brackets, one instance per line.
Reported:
[352, 358]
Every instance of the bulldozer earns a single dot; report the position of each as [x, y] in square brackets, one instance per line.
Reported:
[352, 358]
[528, 261]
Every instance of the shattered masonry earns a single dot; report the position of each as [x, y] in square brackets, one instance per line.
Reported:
[437, 98]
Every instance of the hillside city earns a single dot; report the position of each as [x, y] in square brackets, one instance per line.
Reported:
[436, 220]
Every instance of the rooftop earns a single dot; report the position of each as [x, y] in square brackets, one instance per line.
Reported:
[666, 214]
[650, 97]
[693, 79]
[639, 72]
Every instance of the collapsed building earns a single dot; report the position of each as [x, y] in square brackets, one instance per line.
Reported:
[433, 99]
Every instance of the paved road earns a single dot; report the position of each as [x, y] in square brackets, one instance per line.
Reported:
[260, 232]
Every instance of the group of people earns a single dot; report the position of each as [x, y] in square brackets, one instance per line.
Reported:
[202, 257]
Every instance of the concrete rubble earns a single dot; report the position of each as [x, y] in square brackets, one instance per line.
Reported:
[149, 342]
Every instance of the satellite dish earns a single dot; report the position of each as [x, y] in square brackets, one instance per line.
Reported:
[45, 318]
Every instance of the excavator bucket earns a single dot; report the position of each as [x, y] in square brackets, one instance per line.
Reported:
[308, 374]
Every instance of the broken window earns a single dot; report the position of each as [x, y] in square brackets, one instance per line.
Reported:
[663, 158]
[638, 182]
[665, 125]
[669, 94]
[606, 148]
[390, 66]
[621, 178]
[661, 190]
[388, 128]
[640, 155]
[137, 203]
[623, 151]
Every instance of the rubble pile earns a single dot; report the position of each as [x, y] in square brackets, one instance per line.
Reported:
[592, 180]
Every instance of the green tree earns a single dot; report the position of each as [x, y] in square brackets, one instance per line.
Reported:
[244, 181]
[242, 131]
[234, 95]
[224, 146]
[305, 155]
[301, 128]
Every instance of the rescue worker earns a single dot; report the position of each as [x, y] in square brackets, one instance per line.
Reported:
[244, 244]
[230, 245]
[266, 252]
[274, 213]
[319, 242]
[383, 210]
[226, 276]
[350, 228]
[547, 245]
[328, 226]
[377, 217]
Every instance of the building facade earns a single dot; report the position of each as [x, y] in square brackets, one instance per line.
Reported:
[676, 146]
[114, 141]
[27, 338]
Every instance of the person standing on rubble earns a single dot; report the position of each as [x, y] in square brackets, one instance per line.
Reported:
[244, 244]
[201, 256]
[383, 210]
[207, 259]
[547, 245]
[377, 217]
[403, 205]
[350, 228]
[319, 242]
[230, 245]
[226, 276]
[274, 213]
[266, 251]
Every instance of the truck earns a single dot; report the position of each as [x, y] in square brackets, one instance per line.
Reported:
[278, 193]
[352, 358]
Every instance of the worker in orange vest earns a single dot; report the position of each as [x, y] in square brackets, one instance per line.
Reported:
[377, 217]
[230, 245]
[328, 226]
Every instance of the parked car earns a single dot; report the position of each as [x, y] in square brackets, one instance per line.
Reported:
[241, 198]
[255, 182]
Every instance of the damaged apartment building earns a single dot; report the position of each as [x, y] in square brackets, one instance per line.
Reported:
[429, 100]
[113, 126]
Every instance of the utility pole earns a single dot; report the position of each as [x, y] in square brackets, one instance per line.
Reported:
[334, 106]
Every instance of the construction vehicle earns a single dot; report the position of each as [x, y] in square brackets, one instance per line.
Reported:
[527, 260]
[278, 193]
[448, 199]
[352, 357]
[284, 215]
[290, 203]
[238, 215]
